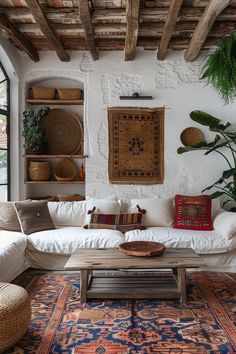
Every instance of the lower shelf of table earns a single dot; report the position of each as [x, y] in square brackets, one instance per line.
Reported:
[161, 287]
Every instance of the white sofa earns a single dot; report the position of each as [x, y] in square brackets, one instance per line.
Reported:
[51, 249]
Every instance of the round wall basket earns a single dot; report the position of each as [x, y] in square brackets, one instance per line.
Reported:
[191, 136]
[63, 132]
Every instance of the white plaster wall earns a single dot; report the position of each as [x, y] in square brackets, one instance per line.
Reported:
[173, 84]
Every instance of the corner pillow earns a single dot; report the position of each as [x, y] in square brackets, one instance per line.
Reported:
[34, 217]
[193, 212]
[102, 206]
[225, 223]
[8, 217]
[120, 222]
[159, 212]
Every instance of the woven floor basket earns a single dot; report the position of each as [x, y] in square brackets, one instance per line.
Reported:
[15, 313]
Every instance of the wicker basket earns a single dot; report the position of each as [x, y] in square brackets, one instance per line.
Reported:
[70, 198]
[15, 313]
[40, 170]
[66, 170]
[43, 93]
[69, 93]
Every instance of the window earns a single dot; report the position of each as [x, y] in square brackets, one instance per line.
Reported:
[4, 136]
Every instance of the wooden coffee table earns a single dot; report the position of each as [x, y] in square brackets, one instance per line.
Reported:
[129, 284]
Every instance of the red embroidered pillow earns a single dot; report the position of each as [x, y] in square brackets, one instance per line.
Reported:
[193, 212]
[120, 222]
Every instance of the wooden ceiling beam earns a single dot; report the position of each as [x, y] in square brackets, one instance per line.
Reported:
[18, 38]
[47, 29]
[213, 9]
[86, 21]
[169, 27]
[132, 19]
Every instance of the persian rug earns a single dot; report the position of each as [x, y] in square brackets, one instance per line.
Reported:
[136, 145]
[207, 324]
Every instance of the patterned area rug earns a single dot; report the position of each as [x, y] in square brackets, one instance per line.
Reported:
[61, 325]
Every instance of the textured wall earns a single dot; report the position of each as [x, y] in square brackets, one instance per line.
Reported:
[173, 84]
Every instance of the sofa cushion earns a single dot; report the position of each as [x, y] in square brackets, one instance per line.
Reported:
[208, 242]
[68, 213]
[8, 217]
[120, 222]
[34, 216]
[193, 212]
[225, 223]
[159, 212]
[67, 240]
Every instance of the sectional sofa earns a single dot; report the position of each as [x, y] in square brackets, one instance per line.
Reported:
[51, 249]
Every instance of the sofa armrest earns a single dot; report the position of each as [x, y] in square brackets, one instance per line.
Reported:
[225, 223]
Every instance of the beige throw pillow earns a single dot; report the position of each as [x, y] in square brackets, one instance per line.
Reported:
[34, 217]
[8, 217]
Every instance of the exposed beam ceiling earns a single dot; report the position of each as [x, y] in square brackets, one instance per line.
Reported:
[85, 18]
[132, 19]
[169, 26]
[18, 38]
[47, 29]
[213, 9]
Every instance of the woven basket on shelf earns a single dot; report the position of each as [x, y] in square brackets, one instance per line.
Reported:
[43, 93]
[15, 313]
[66, 170]
[69, 93]
[40, 170]
[70, 198]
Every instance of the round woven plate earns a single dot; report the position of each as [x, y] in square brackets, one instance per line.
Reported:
[63, 132]
[66, 170]
[191, 136]
[142, 248]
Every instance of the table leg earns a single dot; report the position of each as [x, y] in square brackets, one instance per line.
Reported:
[84, 275]
[182, 284]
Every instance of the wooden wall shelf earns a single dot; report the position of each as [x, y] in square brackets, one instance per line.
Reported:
[54, 102]
[54, 182]
[45, 156]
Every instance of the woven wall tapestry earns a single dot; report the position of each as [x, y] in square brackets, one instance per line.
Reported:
[136, 145]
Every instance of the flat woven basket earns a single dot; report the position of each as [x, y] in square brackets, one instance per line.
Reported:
[69, 93]
[43, 93]
[70, 198]
[191, 136]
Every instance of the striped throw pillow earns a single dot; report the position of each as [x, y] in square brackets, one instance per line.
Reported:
[120, 222]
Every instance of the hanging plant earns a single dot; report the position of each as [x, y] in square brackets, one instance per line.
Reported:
[220, 68]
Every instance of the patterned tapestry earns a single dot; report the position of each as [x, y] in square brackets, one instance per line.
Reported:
[136, 145]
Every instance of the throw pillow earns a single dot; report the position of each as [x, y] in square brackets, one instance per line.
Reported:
[193, 212]
[34, 217]
[120, 222]
[103, 206]
[225, 223]
[159, 212]
[8, 217]
[68, 213]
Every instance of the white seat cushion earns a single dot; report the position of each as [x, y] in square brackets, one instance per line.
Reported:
[68, 240]
[205, 242]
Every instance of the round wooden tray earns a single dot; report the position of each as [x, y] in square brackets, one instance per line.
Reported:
[191, 136]
[142, 248]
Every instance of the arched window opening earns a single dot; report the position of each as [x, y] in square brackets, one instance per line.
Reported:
[4, 135]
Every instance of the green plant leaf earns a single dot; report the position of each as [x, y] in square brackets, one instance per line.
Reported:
[183, 149]
[229, 173]
[204, 118]
[216, 195]
[216, 147]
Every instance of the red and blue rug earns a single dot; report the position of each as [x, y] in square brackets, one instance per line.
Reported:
[207, 324]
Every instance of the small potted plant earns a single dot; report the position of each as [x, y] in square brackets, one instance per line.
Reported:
[33, 131]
